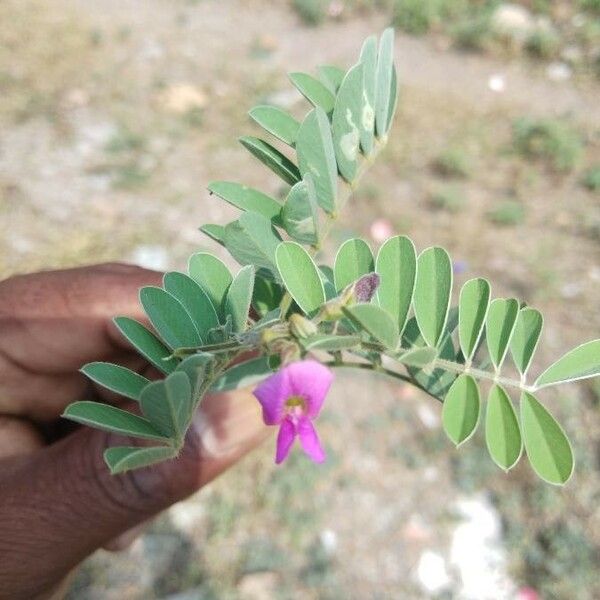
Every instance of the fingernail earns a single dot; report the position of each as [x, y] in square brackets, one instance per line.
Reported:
[228, 424]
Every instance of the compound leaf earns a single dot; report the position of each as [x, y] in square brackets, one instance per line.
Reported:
[299, 214]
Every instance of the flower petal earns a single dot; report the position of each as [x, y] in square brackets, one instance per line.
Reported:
[285, 440]
[309, 440]
[311, 380]
[272, 394]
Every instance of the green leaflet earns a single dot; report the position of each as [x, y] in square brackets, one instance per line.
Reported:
[433, 287]
[436, 381]
[110, 418]
[252, 240]
[331, 77]
[368, 60]
[300, 276]
[195, 301]
[460, 411]
[330, 343]
[267, 295]
[353, 260]
[326, 274]
[580, 363]
[316, 157]
[125, 458]
[214, 232]
[383, 98]
[502, 432]
[473, 308]
[418, 357]
[280, 164]
[546, 444]
[277, 122]
[212, 276]
[525, 338]
[243, 374]
[115, 378]
[397, 267]
[147, 344]
[393, 102]
[299, 214]
[197, 367]
[346, 122]
[499, 327]
[169, 318]
[313, 90]
[246, 198]
[239, 295]
[375, 321]
[167, 404]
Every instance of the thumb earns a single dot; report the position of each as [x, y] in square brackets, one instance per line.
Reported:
[61, 503]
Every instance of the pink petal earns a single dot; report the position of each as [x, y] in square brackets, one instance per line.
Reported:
[272, 394]
[285, 440]
[309, 440]
[310, 380]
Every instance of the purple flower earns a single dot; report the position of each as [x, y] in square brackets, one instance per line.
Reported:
[292, 398]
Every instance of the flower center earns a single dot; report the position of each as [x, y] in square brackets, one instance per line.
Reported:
[295, 405]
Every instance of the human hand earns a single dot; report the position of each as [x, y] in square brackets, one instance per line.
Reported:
[58, 502]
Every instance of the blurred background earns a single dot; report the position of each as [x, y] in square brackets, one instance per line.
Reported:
[114, 117]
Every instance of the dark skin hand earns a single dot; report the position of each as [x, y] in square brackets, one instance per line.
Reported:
[58, 502]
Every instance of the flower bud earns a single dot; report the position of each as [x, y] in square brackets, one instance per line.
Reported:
[302, 327]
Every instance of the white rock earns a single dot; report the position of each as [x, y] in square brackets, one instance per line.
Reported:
[150, 257]
[513, 20]
[428, 416]
[478, 554]
[497, 83]
[432, 573]
[559, 71]
[329, 541]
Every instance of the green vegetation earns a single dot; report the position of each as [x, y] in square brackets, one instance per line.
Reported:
[508, 213]
[450, 198]
[453, 162]
[591, 179]
[551, 140]
[312, 12]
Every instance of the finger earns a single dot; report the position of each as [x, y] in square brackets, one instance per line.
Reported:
[18, 437]
[64, 496]
[54, 322]
[20, 391]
